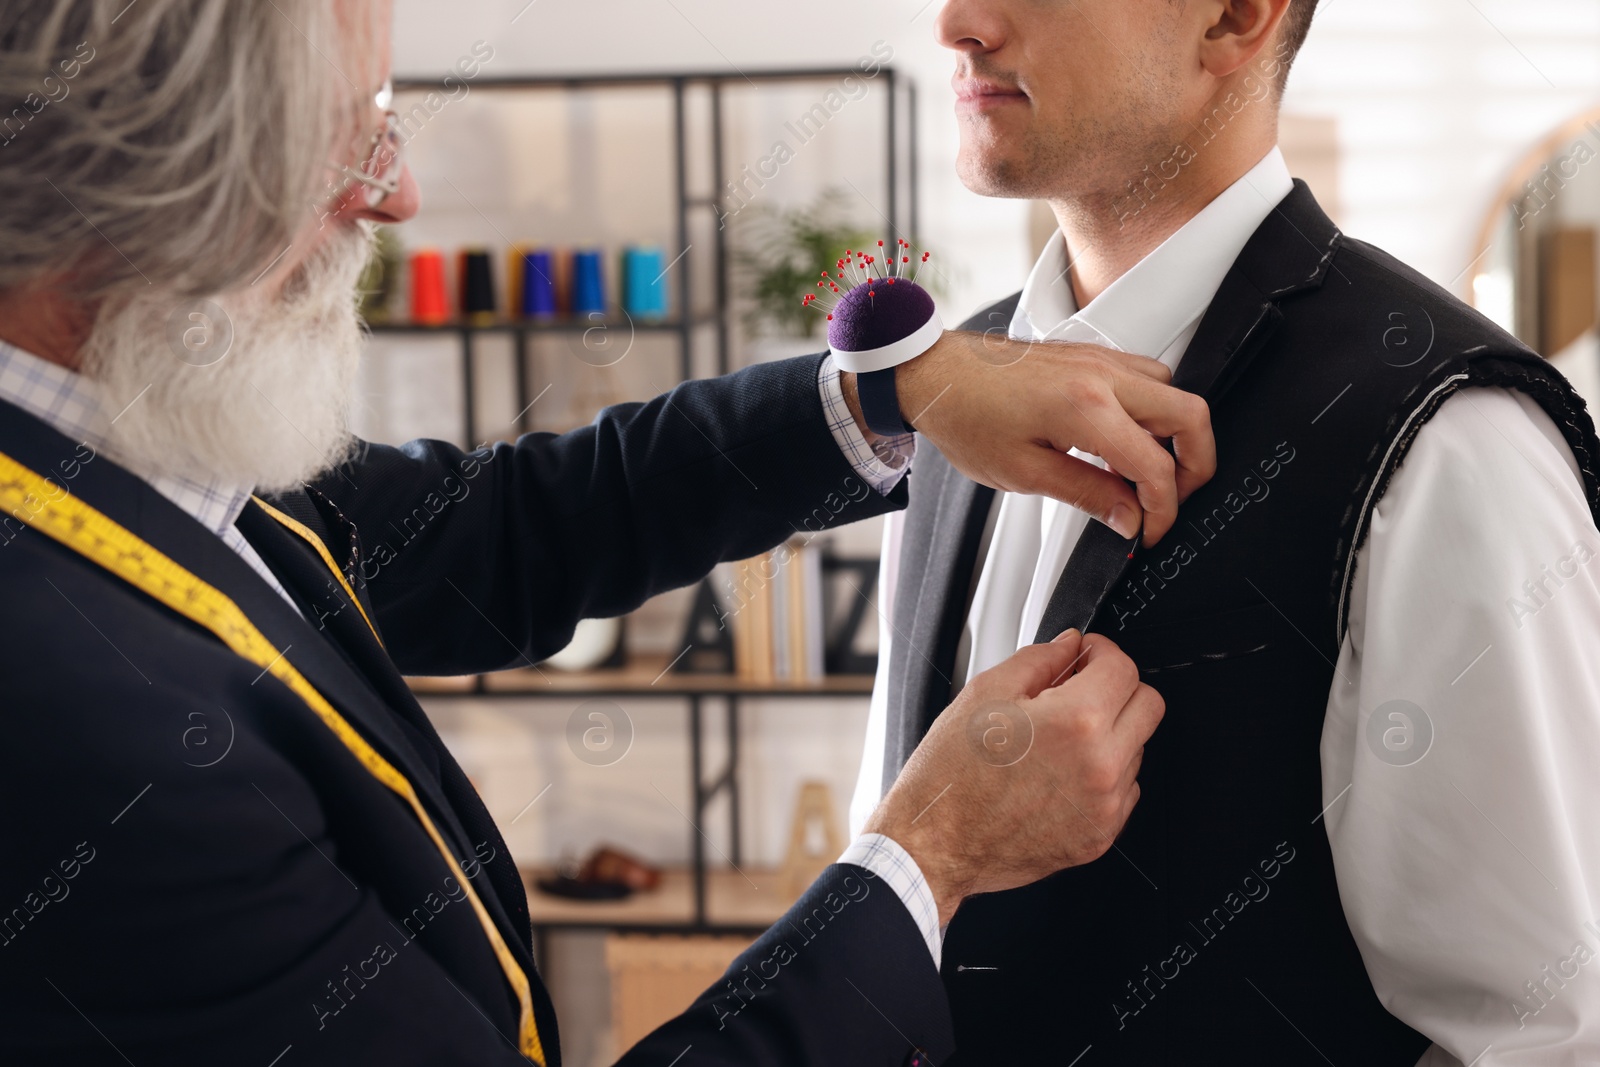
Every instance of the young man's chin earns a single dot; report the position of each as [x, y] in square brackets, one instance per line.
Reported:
[1000, 177]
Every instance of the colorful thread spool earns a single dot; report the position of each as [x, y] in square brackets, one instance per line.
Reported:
[644, 282]
[513, 279]
[430, 300]
[477, 285]
[538, 300]
[588, 282]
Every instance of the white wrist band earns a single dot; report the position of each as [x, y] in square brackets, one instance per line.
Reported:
[892, 355]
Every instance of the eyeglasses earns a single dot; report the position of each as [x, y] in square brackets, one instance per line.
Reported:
[383, 162]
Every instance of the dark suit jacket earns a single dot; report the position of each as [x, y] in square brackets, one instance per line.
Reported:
[199, 872]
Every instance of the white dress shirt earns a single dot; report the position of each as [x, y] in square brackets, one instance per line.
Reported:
[1471, 877]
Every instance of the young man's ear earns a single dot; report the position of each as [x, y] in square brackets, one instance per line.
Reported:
[1237, 31]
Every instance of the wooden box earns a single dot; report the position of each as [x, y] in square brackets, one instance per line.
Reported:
[654, 978]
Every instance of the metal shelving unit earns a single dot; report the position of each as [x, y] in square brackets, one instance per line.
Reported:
[647, 678]
[900, 210]
[521, 331]
[693, 311]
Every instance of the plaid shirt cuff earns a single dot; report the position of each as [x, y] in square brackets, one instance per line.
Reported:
[886, 859]
[881, 467]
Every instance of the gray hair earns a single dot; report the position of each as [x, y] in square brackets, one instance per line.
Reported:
[174, 143]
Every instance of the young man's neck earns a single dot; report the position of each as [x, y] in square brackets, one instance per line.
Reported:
[1107, 234]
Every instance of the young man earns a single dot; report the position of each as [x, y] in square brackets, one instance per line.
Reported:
[1367, 832]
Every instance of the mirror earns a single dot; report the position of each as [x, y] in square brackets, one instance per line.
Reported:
[1538, 275]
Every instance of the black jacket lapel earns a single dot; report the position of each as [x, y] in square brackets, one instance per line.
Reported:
[1289, 253]
[328, 610]
[312, 509]
[305, 574]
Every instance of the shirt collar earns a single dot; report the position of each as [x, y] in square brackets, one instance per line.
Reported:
[71, 405]
[1150, 307]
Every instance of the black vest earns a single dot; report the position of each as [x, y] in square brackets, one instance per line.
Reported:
[1213, 932]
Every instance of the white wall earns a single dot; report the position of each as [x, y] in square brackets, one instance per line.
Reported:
[983, 239]
[1436, 100]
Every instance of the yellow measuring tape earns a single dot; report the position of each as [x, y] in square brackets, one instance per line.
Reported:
[57, 514]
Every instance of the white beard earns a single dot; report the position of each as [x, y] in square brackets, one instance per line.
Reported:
[267, 410]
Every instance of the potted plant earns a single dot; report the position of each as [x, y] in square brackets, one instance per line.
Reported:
[779, 255]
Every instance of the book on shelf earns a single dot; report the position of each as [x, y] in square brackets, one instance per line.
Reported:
[773, 605]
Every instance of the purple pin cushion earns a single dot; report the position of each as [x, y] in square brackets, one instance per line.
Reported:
[883, 319]
[878, 315]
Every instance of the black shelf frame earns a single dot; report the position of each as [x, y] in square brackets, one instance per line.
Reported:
[467, 334]
[726, 781]
[901, 211]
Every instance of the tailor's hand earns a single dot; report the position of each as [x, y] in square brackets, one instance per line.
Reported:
[1031, 770]
[1006, 413]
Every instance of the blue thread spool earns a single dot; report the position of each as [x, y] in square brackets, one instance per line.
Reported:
[588, 283]
[539, 285]
[644, 283]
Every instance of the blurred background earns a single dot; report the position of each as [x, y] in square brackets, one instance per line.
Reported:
[619, 194]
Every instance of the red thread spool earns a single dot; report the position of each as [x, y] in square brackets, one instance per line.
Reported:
[430, 300]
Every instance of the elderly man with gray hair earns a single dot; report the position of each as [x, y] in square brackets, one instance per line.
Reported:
[234, 835]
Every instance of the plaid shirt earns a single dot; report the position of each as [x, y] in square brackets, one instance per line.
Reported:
[883, 467]
[70, 404]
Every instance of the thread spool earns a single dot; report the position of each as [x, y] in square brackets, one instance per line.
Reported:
[477, 285]
[513, 279]
[430, 301]
[538, 299]
[588, 282]
[644, 283]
